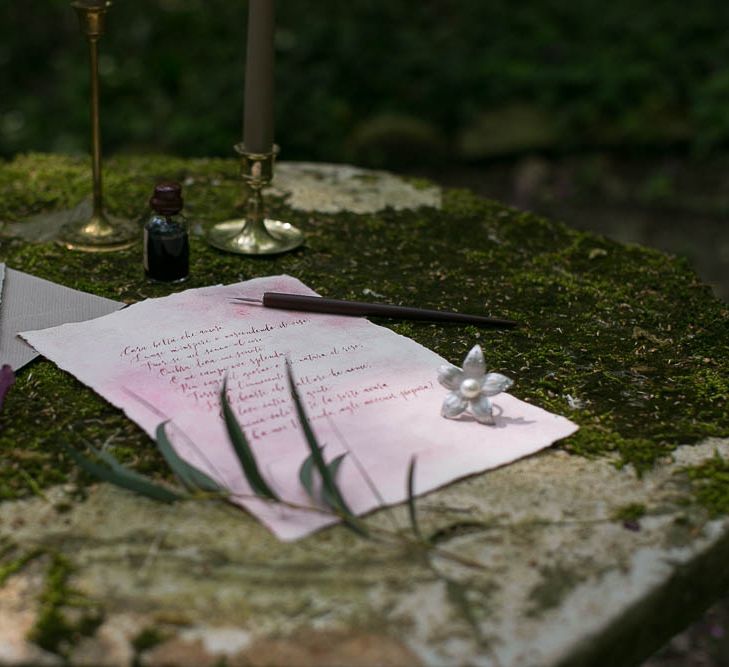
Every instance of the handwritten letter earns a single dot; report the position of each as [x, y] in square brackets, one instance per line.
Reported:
[369, 393]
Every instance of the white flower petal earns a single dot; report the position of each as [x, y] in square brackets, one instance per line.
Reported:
[482, 410]
[474, 365]
[450, 376]
[495, 383]
[453, 405]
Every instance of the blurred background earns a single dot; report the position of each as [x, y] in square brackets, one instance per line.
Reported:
[611, 116]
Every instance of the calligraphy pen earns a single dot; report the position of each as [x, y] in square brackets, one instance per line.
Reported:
[318, 304]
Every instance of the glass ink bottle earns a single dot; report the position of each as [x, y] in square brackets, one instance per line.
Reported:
[166, 242]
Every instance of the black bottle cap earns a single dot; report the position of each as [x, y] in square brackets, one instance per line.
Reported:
[167, 198]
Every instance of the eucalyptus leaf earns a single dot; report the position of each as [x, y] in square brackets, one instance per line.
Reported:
[411, 499]
[306, 476]
[192, 478]
[316, 451]
[121, 476]
[329, 484]
[334, 470]
[243, 451]
[123, 471]
[111, 461]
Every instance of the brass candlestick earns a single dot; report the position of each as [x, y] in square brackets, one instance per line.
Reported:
[100, 232]
[255, 234]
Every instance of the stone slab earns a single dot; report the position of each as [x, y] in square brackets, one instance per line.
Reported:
[622, 339]
[562, 583]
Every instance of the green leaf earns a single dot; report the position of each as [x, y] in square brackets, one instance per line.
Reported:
[411, 500]
[123, 471]
[329, 484]
[121, 476]
[334, 470]
[243, 450]
[316, 451]
[192, 478]
[109, 459]
[306, 475]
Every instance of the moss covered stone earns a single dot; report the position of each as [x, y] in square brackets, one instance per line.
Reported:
[710, 481]
[56, 627]
[629, 513]
[622, 339]
[556, 583]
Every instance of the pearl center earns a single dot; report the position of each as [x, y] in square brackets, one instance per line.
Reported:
[470, 388]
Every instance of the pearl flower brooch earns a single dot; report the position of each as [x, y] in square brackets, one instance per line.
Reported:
[471, 387]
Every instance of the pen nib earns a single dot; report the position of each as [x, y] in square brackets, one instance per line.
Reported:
[243, 299]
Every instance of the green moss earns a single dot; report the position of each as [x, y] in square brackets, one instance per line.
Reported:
[710, 482]
[51, 628]
[54, 630]
[557, 582]
[11, 567]
[629, 331]
[419, 183]
[629, 512]
[641, 453]
[681, 532]
[147, 639]
[711, 385]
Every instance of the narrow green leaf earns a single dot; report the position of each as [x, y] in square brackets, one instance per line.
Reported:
[243, 450]
[306, 476]
[192, 478]
[334, 470]
[112, 462]
[122, 477]
[123, 471]
[411, 500]
[329, 484]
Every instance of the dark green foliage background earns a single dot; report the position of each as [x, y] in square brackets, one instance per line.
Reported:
[602, 73]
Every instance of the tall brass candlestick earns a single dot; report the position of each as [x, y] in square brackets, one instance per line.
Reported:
[255, 234]
[101, 232]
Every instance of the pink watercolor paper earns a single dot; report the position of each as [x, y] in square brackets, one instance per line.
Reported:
[368, 392]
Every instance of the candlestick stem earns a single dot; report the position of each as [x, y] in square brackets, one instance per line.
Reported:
[100, 232]
[98, 201]
[255, 234]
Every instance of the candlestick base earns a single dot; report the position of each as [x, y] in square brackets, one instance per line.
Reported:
[244, 237]
[255, 234]
[100, 233]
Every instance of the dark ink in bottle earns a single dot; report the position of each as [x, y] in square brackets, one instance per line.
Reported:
[166, 241]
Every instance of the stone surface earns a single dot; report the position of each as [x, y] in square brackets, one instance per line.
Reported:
[111, 645]
[559, 573]
[18, 614]
[584, 561]
[331, 188]
[305, 649]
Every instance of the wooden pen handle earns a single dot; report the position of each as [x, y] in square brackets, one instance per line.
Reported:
[319, 304]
